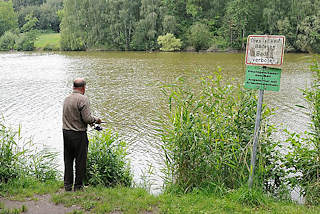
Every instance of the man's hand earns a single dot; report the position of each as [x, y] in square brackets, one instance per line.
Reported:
[98, 121]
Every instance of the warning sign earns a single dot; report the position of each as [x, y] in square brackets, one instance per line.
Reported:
[265, 50]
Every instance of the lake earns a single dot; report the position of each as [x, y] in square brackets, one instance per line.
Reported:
[124, 90]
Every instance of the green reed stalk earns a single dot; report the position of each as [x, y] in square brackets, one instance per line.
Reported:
[20, 158]
[207, 134]
[107, 160]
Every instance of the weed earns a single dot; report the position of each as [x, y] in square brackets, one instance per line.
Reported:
[107, 164]
[249, 196]
[207, 136]
[20, 158]
[146, 180]
[3, 210]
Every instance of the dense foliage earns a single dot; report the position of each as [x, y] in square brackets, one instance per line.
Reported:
[107, 164]
[169, 42]
[19, 158]
[8, 18]
[23, 38]
[136, 25]
[46, 11]
[207, 137]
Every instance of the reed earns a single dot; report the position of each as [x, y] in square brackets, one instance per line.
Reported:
[107, 164]
[207, 135]
[20, 158]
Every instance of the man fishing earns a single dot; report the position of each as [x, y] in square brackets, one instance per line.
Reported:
[75, 119]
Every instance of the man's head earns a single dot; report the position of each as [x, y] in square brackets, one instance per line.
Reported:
[79, 84]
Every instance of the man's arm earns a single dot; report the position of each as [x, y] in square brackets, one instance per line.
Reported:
[86, 113]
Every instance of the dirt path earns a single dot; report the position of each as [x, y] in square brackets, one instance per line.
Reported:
[42, 206]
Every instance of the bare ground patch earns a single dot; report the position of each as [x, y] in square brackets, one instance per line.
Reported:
[41, 206]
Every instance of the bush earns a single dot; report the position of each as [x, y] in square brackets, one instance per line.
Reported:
[106, 161]
[207, 136]
[25, 41]
[169, 42]
[19, 158]
[7, 41]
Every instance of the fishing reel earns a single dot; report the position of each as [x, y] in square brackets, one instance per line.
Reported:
[97, 127]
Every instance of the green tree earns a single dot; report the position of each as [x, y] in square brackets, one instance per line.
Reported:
[19, 4]
[49, 15]
[199, 36]
[74, 25]
[122, 17]
[94, 21]
[30, 23]
[8, 18]
[169, 42]
[308, 38]
[25, 11]
[236, 21]
[148, 28]
[26, 39]
[169, 24]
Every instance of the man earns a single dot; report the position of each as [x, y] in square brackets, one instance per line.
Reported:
[76, 117]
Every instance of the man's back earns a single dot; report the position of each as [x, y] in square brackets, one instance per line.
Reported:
[76, 112]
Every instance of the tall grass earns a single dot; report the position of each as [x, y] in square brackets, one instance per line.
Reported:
[107, 164]
[20, 158]
[303, 160]
[207, 137]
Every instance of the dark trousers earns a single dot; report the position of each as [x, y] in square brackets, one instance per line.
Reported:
[75, 149]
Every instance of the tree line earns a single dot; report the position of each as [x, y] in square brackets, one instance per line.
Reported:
[22, 20]
[189, 24]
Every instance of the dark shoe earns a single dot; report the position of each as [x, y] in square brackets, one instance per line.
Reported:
[68, 189]
[78, 188]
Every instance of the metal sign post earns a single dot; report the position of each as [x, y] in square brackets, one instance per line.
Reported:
[256, 137]
[262, 50]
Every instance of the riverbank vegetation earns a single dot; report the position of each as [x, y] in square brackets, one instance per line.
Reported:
[200, 25]
[20, 158]
[137, 25]
[207, 141]
[136, 200]
[207, 137]
[107, 164]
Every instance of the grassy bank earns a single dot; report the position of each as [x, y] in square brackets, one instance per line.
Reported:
[48, 41]
[137, 200]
